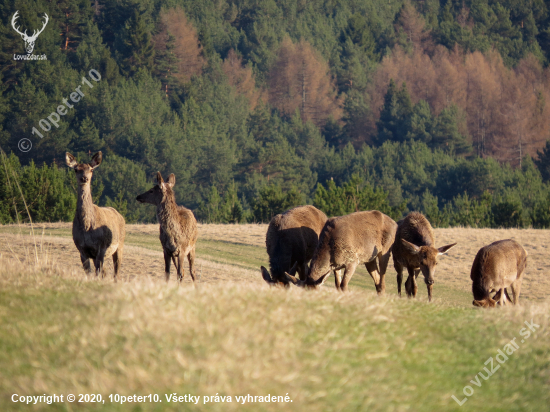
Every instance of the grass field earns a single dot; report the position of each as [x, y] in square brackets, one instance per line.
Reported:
[64, 333]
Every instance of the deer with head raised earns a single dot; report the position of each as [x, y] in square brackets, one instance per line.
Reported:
[29, 40]
[496, 267]
[178, 226]
[414, 249]
[98, 232]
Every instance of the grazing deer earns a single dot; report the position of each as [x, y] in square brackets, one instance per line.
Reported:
[347, 241]
[414, 248]
[291, 239]
[98, 232]
[178, 226]
[496, 267]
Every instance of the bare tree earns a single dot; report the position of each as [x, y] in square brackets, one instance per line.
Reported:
[300, 79]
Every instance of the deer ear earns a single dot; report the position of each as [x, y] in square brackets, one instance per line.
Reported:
[96, 160]
[410, 247]
[293, 269]
[321, 280]
[70, 160]
[267, 276]
[171, 180]
[160, 180]
[445, 249]
[293, 280]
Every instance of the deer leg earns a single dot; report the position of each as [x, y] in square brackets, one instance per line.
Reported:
[372, 268]
[117, 260]
[516, 289]
[508, 296]
[191, 260]
[167, 258]
[98, 263]
[399, 269]
[338, 278]
[86, 263]
[348, 273]
[410, 284]
[502, 300]
[178, 263]
[516, 285]
[415, 286]
[383, 261]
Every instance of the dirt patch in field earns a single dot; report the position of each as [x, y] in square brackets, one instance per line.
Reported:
[138, 262]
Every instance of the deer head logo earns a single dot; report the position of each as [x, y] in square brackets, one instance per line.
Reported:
[29, 40]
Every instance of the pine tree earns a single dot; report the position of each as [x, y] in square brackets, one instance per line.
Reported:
[140, 50]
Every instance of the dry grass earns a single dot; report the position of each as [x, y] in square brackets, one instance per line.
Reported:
[235, 252]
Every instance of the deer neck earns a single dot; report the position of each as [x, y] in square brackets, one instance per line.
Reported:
[85, 213]
[167, 212]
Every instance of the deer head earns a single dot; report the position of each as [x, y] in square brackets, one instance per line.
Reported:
[29, 40]
[84, 171]
[158, 192]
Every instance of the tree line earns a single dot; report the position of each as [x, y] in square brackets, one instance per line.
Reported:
[439, 106]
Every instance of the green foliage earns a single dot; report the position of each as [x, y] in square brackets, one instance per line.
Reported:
[469, 212]
[235, 161]
[272, 200]
[353, 196]
[216, 209]
[43, 192]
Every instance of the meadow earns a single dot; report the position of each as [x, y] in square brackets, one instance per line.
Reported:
[65, 333]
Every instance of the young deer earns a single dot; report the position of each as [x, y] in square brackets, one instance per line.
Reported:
[347, 241]
[178, 226]
[98, 232]
[291, 240]
[496, 267]
[414, 248]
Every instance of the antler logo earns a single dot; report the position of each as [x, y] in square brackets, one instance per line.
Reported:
[29, 40]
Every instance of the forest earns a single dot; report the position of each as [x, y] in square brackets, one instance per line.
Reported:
[261, 105]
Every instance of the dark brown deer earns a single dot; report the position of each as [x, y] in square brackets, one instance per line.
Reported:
[347, 241]
[414, 249]
[98, 232]
[291, 239]
[178, 226]
[496, 267]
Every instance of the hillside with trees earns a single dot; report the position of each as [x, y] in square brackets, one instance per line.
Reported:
[261, 105]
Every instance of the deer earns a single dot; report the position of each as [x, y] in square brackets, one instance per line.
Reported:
[290, 241]
[496, 267]
[414, 249]
[178, 227]
[345, 242]
[98, 232]
[29, 40]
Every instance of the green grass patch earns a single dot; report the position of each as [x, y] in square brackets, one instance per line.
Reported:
[328, 351]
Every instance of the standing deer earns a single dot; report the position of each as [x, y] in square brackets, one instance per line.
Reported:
[347, 241]
[291, 240]
[496, 267]
[414, 248]
[98, 232]
[178, 226]
[29, 40]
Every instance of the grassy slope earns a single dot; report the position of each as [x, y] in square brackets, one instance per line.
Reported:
[60, 333]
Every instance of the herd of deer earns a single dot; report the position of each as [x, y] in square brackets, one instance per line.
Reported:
[298, 236]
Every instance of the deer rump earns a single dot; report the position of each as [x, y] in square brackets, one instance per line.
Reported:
[496, 267]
